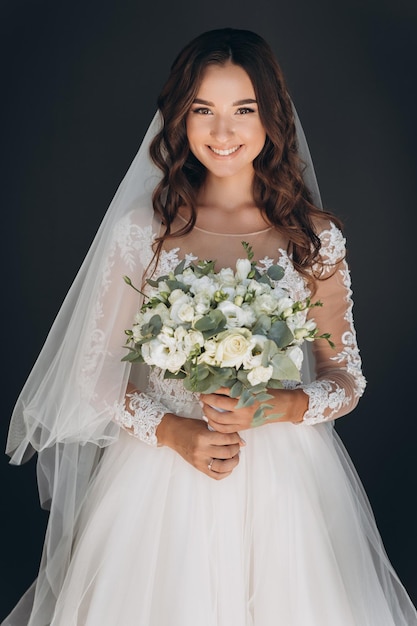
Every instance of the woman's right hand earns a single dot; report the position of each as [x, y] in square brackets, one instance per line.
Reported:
[213, 453]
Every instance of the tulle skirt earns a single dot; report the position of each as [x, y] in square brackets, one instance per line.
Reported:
[287, 540]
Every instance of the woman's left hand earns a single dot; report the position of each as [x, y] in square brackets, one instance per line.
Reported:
[290, 405]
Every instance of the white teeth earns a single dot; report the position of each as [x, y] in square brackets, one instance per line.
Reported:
[224, 152]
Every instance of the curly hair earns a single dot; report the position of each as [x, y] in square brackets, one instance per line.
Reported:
[278, 187]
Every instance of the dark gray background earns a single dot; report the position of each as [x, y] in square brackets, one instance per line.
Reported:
[79, 85]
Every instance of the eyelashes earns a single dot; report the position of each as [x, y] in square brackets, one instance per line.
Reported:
[206, 111]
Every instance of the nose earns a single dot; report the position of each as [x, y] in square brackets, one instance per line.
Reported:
[222, 128]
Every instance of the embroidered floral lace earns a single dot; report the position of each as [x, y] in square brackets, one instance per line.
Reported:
[140, 416]
[338, 382]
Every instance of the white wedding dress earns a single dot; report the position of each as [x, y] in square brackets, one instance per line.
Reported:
[287, 540]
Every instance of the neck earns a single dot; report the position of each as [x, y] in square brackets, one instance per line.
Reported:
[226, 194]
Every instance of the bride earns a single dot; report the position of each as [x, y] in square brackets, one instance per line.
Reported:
[171, 508]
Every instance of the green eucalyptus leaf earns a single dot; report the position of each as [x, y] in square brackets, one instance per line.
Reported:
[275, 384]
[275, 416]
[180, 268]
[176, 284]
[133, 357]
[246, 399]
[262, 325]
[280, 334]
[275, 272]
[263, 397]
[264, 279]
[176, 375]
[284, 368]
[153, 327]
[236, 390]
[152, 283]
[211, 324]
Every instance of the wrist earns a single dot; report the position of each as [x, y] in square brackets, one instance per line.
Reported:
[291, 404]
[165, 433]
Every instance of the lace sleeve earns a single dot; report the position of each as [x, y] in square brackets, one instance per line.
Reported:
[140, 415]
[339, 380]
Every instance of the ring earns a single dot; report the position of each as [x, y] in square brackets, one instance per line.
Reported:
[210, 465]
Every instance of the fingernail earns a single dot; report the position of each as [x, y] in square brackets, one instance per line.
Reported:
[205, 418]
[243, 442]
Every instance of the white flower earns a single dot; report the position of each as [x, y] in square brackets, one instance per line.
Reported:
[182, 310]
[192, 339]
[175, 360]
[175, 295]
[202, 303]
[162, 352]
[209, 353]
[260, 374]
[296, 355]
[236, 316]
[232, 347]
[188, 276]
[285, 306]
[303, 331]
[243, 267]
[254, 357]
[204, 285]
[265, 303]
[226, 277]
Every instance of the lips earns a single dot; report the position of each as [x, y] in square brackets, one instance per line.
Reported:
[227, 152]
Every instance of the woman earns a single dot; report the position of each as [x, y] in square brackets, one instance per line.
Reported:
[169, 508]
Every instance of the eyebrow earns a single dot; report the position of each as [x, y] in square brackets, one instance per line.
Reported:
[235, 104]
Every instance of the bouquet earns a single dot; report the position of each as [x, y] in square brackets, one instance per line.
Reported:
[232, 328]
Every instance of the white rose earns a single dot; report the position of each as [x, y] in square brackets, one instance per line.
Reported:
[296, 355]
[182, 310]
[260, 375]
[232, 347]
[243, 267]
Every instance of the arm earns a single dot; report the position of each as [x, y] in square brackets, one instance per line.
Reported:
[339, 381]
[150, 421]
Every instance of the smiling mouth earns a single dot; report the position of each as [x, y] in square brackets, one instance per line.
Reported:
[224, 152]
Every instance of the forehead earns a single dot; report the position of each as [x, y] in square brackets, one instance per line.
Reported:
[227, 81]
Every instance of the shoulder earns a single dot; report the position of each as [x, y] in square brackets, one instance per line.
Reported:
[333, 242]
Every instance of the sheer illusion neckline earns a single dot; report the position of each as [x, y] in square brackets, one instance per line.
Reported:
[217, 234]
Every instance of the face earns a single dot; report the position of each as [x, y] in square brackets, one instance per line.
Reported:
[223, 126]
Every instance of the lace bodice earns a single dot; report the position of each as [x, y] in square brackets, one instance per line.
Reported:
[339, 381]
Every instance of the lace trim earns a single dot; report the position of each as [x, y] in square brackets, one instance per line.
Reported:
[327, 398]
[145, 419]
[323, 395]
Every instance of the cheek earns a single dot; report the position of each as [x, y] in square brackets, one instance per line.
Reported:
[193, 130]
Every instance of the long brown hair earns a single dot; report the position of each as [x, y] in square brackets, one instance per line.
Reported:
[278, 188]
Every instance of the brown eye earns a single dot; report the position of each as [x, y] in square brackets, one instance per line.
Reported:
[244, 111]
